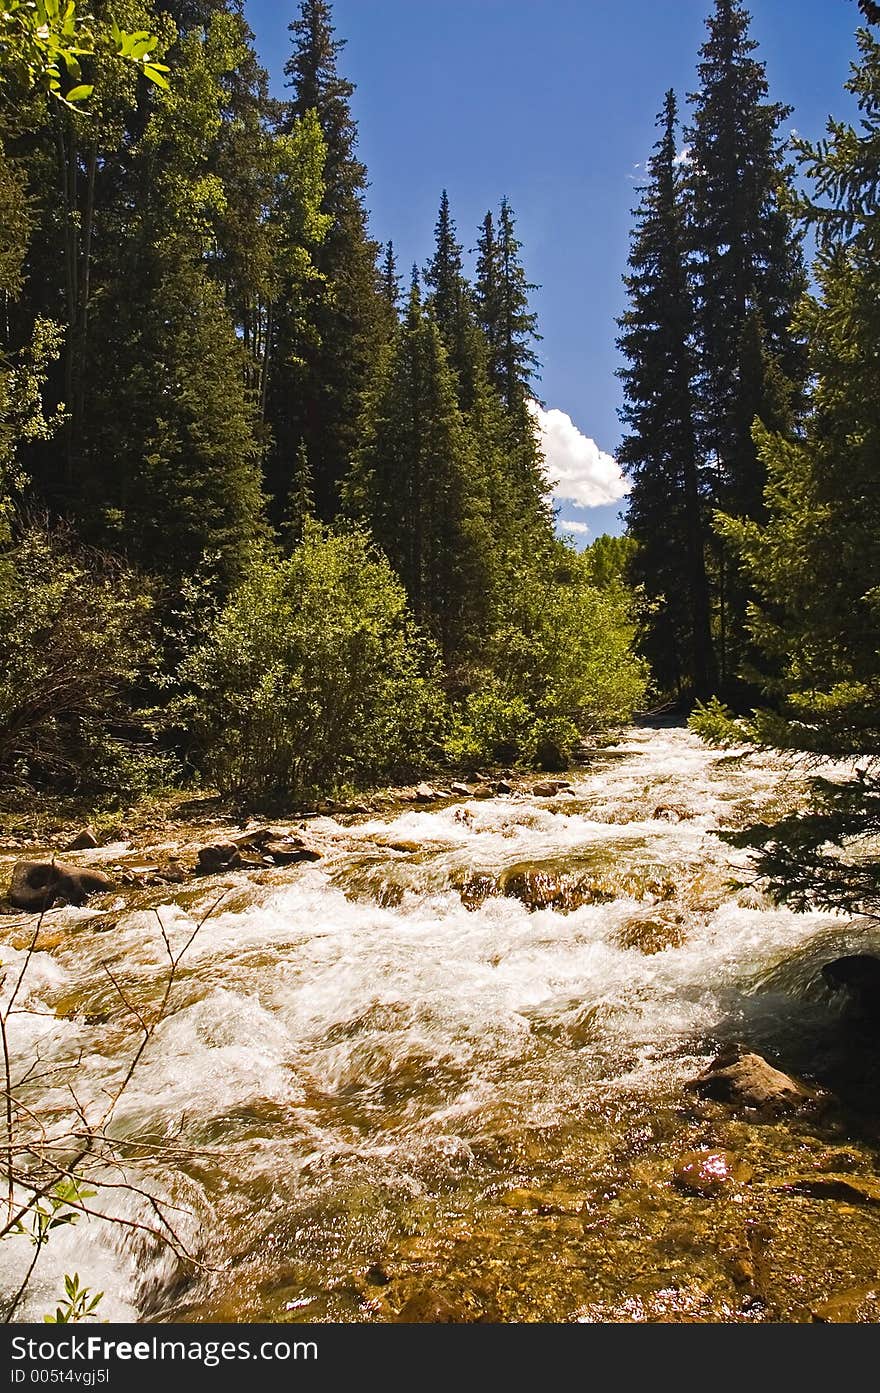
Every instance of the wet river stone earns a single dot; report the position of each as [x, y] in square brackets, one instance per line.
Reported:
[85, 840]
[221, 856]
[651, 934]
[850, 1189]
[748, 1080]
[38, 885]
[710, 1172]
[858, 1306]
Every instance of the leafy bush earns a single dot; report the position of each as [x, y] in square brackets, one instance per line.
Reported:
[490, 724]
[312, 675]
[559, 665]
[76, 639]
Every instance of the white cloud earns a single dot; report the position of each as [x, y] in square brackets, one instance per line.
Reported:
[577, 470]
[683, 156]
[567, 525]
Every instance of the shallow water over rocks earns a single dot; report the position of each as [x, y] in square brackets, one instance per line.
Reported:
[445, 1064]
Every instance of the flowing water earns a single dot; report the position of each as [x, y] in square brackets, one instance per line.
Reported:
[447, 1061]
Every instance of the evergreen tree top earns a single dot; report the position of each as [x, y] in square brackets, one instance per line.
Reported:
[312, 74]
[444, 273]
[311, 67]
[390, 278]
[733, 90]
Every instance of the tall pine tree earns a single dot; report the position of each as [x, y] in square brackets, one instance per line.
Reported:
[814, 563]
[451, 303]
[417, 484]
[667, 512]
[343, 329]
[169, 467]
[503, 310]
[749, 277]
[391, 279]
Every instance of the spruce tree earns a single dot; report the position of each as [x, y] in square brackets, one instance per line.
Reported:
[508, 323]
[177, 489]
[488, 296]
[340, 336]
[417, 485]
[667, 511]
[749, 277]
[814, 563]
[451, 303]
[391, 279]
[168, 459]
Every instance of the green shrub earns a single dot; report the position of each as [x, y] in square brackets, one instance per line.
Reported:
[312, 675]
[559, 665]
[76, 640]
[489, 725]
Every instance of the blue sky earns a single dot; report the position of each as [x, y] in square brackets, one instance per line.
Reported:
[551, 102]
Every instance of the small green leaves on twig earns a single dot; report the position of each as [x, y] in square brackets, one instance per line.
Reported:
[60, 1206]
[79, 1303]
[42, 42]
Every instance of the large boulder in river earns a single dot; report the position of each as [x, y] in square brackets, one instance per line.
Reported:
[221, 856]
[547, 885]
[858, 976]
[38, 885]
[259, 847]
[545, 790]
[747, 1080]
[285, 849]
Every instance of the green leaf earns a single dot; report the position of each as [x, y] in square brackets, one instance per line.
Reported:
[155, 71]
[80, 93]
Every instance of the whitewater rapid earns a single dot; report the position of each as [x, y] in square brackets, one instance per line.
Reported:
[343, 1044]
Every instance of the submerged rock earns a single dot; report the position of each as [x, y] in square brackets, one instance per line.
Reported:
[747, 1080]
[710, 1172]
[852, 1189]
[563, 885]
[858, 1306]
[433, 1308]
[543, 1201]
[38, 885]
[548, 886]
[667, 812]
[651, 934]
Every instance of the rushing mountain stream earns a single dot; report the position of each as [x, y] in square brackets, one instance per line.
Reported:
[444, 1068]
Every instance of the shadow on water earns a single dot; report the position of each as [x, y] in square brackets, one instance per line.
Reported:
[800, 1024]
